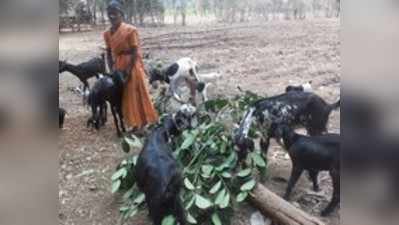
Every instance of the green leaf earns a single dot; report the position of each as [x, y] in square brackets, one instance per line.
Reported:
[169, 220]
[223, 146]
[190, 203]
[215, 104]
[188, 184]
[139, 199]
[135, 158]
[225, 201]
[134, 212]
[134, 142]
[244, 173]
[188, 141]
[115, 186]
[259, 160]
[122, 172]
[248, 185]
[242, 196]
[124, 208]
[207, 170]
[216, 219]
[220, 197]
[226, 175]
[215, 187]
[202, 202]
[230, 160]
[128, 194]
[191, 219]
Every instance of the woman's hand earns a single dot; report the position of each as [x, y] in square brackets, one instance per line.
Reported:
[133, 52]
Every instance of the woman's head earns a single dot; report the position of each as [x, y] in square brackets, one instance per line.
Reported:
[115, 12]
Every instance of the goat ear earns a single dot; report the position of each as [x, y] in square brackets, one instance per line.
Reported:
[181, 120]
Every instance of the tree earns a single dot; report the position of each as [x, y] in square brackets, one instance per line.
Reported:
[65, 6]
[180, 7]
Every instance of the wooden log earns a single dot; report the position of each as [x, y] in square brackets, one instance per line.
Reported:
[278, 209]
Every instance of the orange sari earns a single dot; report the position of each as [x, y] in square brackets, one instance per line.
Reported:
[137, 107]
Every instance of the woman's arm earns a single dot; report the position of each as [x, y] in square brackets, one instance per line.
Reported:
[133, 52]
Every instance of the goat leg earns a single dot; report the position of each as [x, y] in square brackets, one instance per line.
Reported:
[204, 93]
[295, 174]
[116, 121]
[93, 120]
[336, 193]
[313, 174]
[155, 212]
[104, 115]
[85, 87]
[193, 90]
[264, 144]
[179, 211]
[121, 118]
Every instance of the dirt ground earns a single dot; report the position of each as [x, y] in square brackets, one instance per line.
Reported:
[263, 58]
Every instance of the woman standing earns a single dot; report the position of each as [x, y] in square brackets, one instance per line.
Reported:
[124, 54]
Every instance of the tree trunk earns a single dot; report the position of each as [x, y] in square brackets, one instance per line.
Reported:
[135, 11]
[183, 17]
[95, 12]
[141, 18]
[281, 211]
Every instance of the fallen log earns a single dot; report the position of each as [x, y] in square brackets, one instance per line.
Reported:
[278, 209]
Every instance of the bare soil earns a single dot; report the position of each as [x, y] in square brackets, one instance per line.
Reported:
[263, 58]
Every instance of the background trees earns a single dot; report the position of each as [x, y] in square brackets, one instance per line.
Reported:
[154, 12]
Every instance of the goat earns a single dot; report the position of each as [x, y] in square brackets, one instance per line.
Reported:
[183, 70]
[314, 154]
[107, 89]
[157, 173]
[295, 108]
[61, 117]
[85, 70]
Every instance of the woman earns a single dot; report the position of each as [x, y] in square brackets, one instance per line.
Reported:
[124, 54]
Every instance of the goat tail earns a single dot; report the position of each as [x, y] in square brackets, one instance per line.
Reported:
[335, 105]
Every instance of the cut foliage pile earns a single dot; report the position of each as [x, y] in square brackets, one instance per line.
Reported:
[214, 181]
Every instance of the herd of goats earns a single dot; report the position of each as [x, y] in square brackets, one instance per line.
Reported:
[274, 117]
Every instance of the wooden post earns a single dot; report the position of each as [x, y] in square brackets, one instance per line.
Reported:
[275, 207]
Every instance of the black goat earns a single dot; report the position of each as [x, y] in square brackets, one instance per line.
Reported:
[314, 154]
[157, 172]
[107, 89]
[295, 108]
[61, 113]
[85, 70]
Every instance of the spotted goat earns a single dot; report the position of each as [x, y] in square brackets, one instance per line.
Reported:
[294, 108]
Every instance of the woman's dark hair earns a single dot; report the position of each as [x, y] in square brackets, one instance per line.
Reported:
[116, 5]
